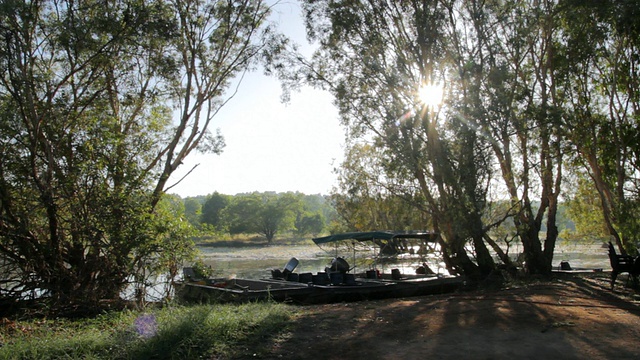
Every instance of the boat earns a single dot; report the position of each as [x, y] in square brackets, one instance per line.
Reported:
[339, 282]
[220, 290]
[423, 281]
[195, 288]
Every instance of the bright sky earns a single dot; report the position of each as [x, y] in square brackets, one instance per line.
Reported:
[270, 146]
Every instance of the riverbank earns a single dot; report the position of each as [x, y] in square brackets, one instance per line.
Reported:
[571, 316]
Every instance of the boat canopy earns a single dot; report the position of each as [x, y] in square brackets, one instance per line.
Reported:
[376, 235]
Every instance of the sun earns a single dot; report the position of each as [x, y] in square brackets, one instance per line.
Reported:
[430, 94]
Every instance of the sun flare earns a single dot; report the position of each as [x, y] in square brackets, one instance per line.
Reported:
[431, 94]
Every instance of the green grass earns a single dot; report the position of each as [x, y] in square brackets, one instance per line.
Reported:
[177, 332]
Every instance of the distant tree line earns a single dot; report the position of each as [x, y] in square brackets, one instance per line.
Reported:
[267, 214]
[295, 214]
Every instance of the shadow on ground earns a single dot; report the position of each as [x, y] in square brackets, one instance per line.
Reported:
[569, 317]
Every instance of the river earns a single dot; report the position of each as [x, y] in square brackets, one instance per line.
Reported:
[257, 262]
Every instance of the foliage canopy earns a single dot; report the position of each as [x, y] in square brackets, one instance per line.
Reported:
[99, 103]
[531, 89]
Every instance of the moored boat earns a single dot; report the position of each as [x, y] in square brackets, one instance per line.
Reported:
[339, 282]
[423, 281]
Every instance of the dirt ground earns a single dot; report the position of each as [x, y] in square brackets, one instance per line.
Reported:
[569, 317]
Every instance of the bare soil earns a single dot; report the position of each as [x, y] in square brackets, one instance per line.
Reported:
[568, 317]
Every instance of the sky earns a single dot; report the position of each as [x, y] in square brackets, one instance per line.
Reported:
[270, 146]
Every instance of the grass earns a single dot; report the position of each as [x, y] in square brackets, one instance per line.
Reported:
[175, 332]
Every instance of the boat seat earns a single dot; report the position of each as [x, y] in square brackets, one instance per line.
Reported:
[424, 269]
[277, 274]
[340, 265]
[288, 269]
[190, 274]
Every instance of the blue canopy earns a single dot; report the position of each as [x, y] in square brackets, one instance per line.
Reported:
[376, 235]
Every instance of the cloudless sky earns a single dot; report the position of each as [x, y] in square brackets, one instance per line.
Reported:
[270, 146]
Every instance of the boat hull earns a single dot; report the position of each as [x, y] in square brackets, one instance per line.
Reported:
[243, 290]
[240, 290]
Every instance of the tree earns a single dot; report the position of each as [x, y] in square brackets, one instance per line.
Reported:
[242, 212]
[88, 144]
[309, 214]
[530, 86]
[366, 199]
[309, 223]
[276, 214]
[374, 56]
[602, 89]
[507, 68]
[193, 211]
[212, 210]
[265, 214]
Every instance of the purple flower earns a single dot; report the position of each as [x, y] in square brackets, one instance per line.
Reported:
[146, 325]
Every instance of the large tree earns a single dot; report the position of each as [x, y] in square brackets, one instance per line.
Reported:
[374, 57]
[602, 90]
[505, 61]
[100, 102]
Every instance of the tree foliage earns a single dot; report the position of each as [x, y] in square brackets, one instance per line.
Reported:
[89, 140]
[262, 213]
[584, 208]
[602, 93]
[367, 199]
[265, 214]
[374, 57]
[212, 210]
[525, 84]
[193, 211]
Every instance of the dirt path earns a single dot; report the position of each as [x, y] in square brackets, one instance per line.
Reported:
[570, 317]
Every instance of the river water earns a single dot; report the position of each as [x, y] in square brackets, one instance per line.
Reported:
[257, 262]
